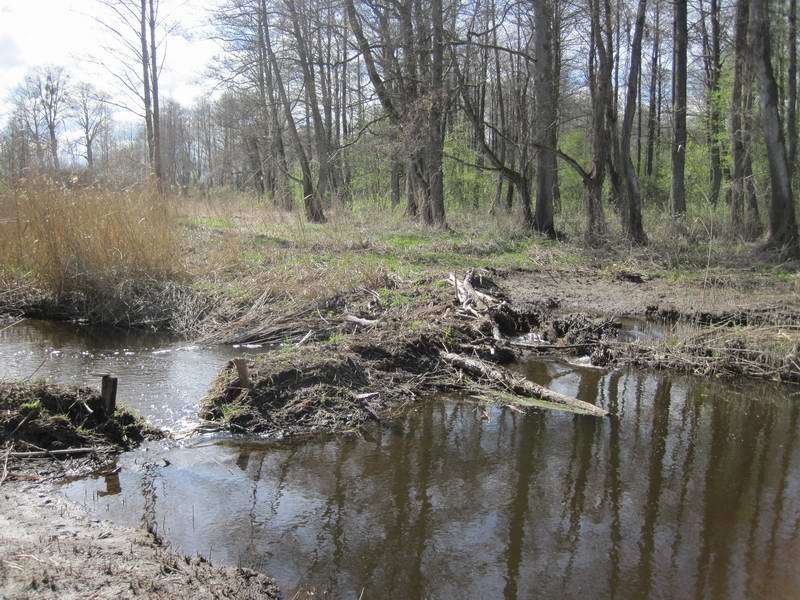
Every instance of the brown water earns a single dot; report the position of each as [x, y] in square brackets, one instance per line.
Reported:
[693, 491]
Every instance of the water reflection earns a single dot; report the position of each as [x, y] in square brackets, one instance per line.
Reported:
[692, 492]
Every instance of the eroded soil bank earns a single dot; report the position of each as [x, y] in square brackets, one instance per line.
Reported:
[376, 355]
[40, 417]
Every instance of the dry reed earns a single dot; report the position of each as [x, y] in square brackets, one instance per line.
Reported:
[86, 239]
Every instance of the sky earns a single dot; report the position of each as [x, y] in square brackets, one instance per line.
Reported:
[36, 33]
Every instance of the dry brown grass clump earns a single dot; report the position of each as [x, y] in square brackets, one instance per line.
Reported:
[87, 238]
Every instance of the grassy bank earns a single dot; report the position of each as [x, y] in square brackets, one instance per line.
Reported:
[213, 268]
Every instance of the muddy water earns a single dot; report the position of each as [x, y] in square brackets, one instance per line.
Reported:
[692, 492]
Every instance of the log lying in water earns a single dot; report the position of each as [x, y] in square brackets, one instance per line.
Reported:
[522, 387]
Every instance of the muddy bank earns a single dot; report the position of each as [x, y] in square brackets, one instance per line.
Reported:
[369, 356]
[742, 296]
[383, 353]
[52, 550]
[42, 417]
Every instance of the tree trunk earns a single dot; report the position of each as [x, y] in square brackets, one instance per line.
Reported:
[51, 128]
[782, 225]
[791, 109]
[743, 193]
[653, 108]
[600, 78]
[679, 62]
[282, 195]
[632, 200]
[396, 177]
[434, 215]
[157, 164]
[715, 120]
[545, 118]
[148, 107]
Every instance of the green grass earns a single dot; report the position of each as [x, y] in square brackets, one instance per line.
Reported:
[212, 223]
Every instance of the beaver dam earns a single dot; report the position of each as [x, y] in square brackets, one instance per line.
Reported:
[401, 444]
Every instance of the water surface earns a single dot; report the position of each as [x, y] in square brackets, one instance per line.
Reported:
[692, 491]
[160, 376]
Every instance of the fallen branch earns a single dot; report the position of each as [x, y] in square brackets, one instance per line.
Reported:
[64, 452]
[361, 321]
[5, 464]
[545, 346]
[521, 387]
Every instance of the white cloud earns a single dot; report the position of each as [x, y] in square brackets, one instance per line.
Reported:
[35, 33]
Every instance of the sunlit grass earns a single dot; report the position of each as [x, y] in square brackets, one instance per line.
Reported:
[86, 238]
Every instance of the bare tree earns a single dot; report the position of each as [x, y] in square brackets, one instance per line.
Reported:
[133, 62]
[91, 114]
[654, 105]
[50, 84]
[782, 224]
[311, 200]
[679, 77]
[629, 191]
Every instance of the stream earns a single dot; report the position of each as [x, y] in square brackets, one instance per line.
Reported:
[692, 491]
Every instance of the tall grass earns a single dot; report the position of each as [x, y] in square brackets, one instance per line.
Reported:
[86, 239]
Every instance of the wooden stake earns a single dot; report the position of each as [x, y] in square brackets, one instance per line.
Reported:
[244, 375]
[108, 390]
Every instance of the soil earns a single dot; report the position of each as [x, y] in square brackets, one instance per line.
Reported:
[51, 549]
[741, 297]
[42, 416]
[383, 354]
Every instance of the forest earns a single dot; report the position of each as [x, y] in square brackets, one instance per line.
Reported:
[604, 118]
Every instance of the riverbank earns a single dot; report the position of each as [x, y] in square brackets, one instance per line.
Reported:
[52, 549]
[193, 267]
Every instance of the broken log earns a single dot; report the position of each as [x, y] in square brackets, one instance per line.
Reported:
[468, 296]
[361, 321]
[521, 387]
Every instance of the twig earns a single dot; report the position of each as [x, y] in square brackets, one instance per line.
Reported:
[5, 464]
[11, 325]
[41, 364]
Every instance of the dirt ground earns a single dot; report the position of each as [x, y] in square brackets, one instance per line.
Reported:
[51, 549]
[625, 293]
